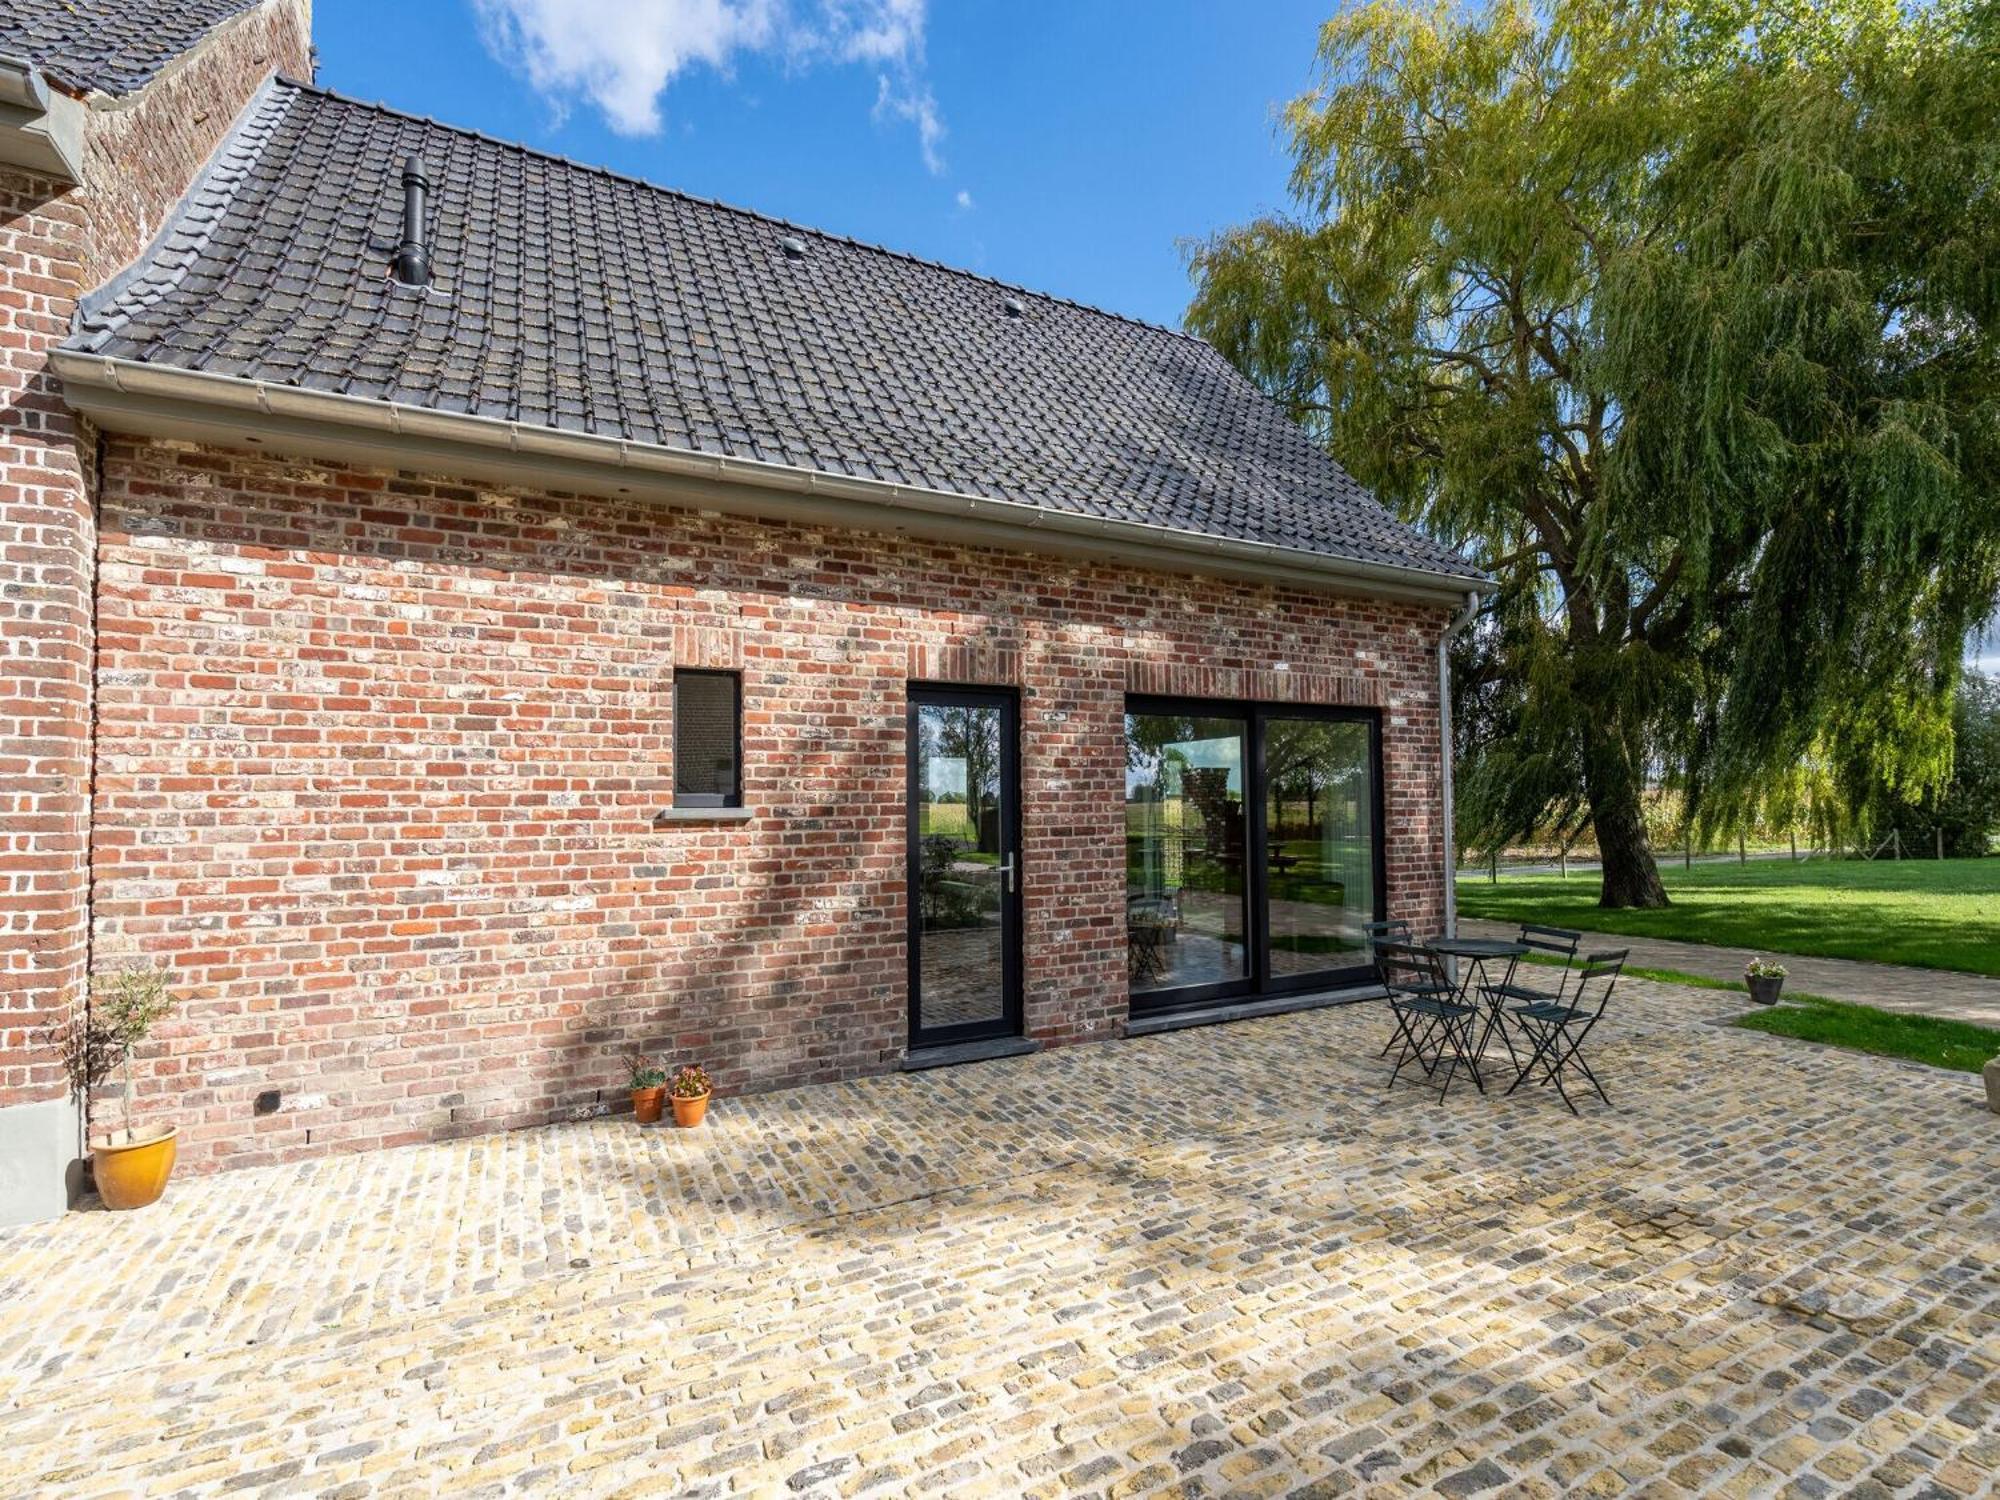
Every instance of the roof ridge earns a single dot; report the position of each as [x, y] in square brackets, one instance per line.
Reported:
[596, 170]
[102, 49]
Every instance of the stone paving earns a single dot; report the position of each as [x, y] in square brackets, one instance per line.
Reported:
[1221, 1261]
[1898, 987]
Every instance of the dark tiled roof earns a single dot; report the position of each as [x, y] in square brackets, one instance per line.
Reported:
[113, 46]
[577, 299]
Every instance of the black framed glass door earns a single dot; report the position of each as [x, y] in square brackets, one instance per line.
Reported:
[1253, 848]
[1187, 850]
[964, 865]
[1321, 853]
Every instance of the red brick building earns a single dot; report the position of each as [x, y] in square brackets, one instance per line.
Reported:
[104, 121]
[473, 617]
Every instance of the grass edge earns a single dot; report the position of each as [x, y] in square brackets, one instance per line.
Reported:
[1919, 1030]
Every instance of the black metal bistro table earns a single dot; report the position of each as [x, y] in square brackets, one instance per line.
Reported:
[1473, 955]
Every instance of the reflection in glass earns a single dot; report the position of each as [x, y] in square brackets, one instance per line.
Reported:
[1319, 819]
[1185, 845]
[961, 977]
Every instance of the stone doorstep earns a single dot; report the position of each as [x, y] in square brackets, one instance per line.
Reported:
[919, 1059]
[1250, 1010]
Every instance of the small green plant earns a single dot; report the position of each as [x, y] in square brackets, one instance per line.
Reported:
[123, 1012]
[645, 1075]
[691, 1082]
[1764, 968]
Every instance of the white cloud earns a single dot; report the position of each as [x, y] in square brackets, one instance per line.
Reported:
[964, 200]
[909, 100]
[871, 31]
[622, 54]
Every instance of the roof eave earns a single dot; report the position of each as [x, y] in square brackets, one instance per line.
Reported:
[132, 396]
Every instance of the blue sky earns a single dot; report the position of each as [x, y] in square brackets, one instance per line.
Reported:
[1069, 147]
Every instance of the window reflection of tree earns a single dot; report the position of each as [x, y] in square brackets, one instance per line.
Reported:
[970, 736]
[953, 893]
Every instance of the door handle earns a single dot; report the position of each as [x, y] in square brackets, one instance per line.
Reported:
[1007, 870]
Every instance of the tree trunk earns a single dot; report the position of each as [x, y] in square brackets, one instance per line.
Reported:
[1612, 784]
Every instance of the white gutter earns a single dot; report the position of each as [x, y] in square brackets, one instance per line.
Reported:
[132, 396]
[40, 128]
[1451, 633]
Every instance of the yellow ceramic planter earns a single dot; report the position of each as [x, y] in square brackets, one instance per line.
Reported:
[131, 1175]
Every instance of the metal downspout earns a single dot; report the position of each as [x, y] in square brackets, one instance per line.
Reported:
[1452, 631]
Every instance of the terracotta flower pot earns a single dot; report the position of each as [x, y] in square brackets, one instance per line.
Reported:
[690, 1111]
[646, 1104]
[1764, 989]
[133, 1174]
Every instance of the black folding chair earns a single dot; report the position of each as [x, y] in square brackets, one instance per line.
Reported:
[1512, 990]
[1395, 930]
[1556, 1030]
[1433, 1027]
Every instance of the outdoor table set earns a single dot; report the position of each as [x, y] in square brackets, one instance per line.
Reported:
[1444, 1024]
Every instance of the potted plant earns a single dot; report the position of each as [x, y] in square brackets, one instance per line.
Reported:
[1765, 979]
[131, 1166]
[690, 1090]
[649, 1088]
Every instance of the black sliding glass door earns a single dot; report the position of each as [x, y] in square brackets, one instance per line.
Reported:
[1187, 846]
[1320, 844]
[1253, 849]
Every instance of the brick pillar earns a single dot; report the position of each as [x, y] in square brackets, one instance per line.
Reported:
[57, 240]
[47, 548]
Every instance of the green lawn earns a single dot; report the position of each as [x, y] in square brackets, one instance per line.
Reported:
[1862, 1028]
[1927, 1039]
[1934, 914]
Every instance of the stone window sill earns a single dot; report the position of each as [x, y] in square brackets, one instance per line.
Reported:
[704, 815]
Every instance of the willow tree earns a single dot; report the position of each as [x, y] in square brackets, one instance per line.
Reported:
[1683, 319]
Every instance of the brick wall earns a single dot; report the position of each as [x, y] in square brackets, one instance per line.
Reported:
[56, 241]
[46, 545]
[379, 760]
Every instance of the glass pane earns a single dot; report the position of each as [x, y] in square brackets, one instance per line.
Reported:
[705, 735]
[1319, 817]
[961, 826]
[1184, 850]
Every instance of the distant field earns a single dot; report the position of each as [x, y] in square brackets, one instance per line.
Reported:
[944, 817]
[1936, 914]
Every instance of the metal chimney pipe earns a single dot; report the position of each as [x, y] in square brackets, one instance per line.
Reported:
[412, 265]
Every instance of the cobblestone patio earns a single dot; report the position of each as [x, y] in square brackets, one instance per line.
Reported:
[1221, 1261]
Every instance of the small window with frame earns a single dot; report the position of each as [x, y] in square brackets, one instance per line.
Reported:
[708, 739]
